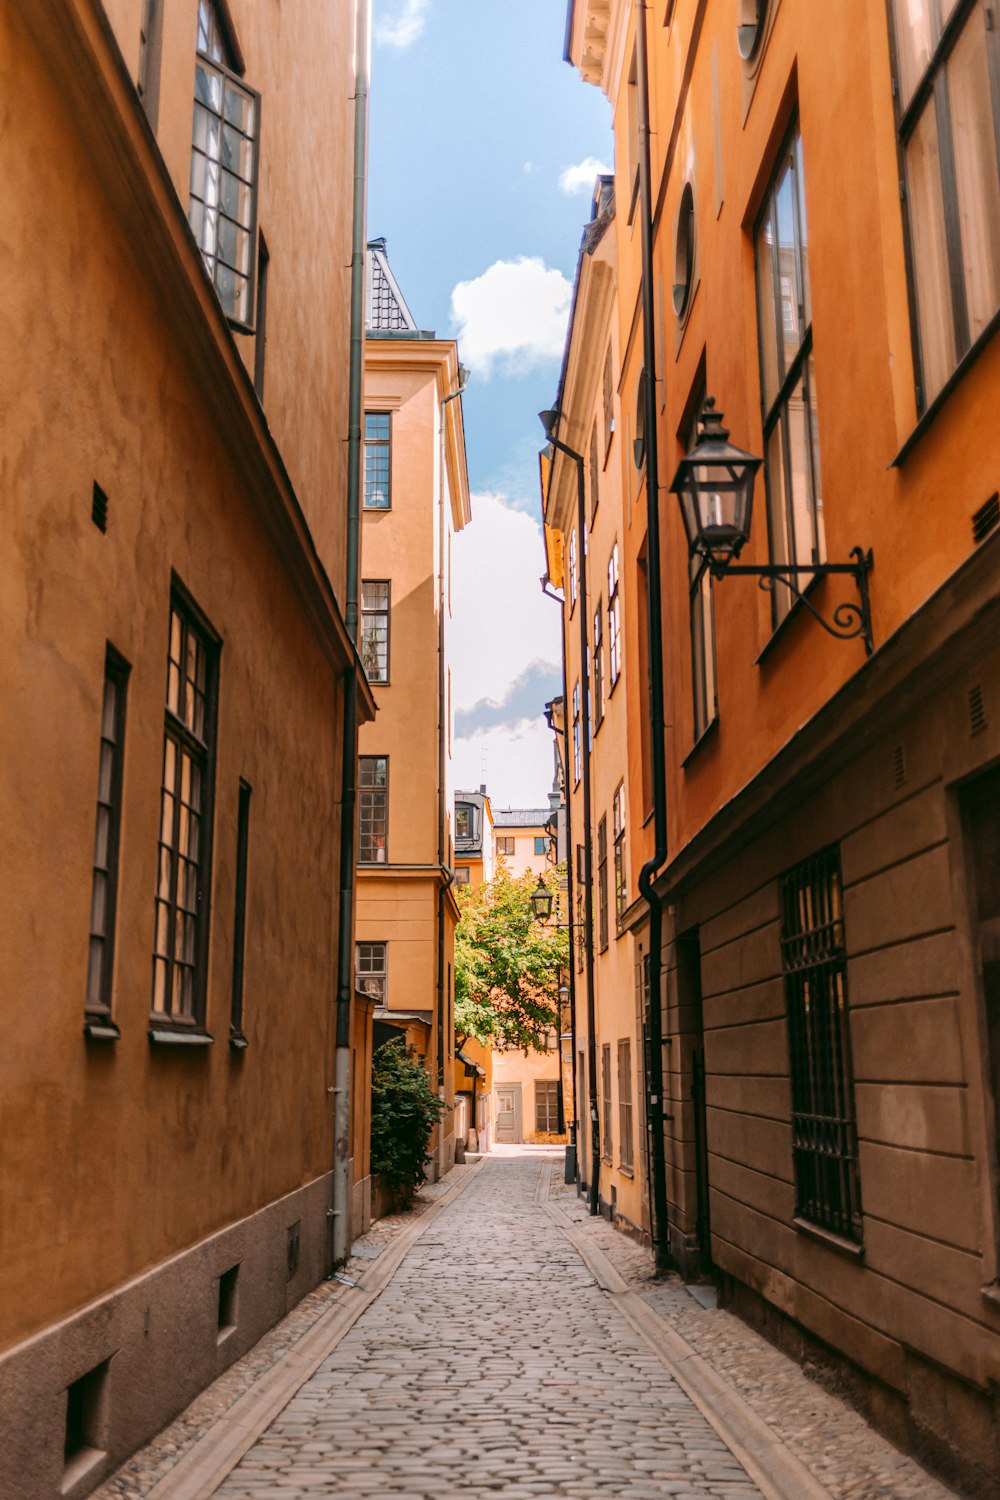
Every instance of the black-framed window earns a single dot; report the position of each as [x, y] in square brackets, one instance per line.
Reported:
[598, 660]
[240, 914]
[222, 207]
[824, 1133]
[606, 1102]
[577, 742]
[183, 882]
[104, 888]
[375, 606]
[371, 964]
[618, 826]
[701, 605]
[595, 469]
[788, 385]
[546, 1106]
[373, 809]
[602, 883]
[378, 460]
[947, 61]
[626, 1148]
[614, 618]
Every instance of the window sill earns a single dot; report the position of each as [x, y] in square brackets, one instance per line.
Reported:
[161, 1036]
[101, 1029]
[991, 1293]
[954, 379]
[827, 1237]
[708, 733]
[627, 1172]
[238, 1042]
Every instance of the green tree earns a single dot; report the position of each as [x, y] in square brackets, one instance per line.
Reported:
[405, 1109]
[507, 963]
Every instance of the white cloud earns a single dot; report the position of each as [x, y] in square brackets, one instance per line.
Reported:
[514, 315]
[581, 177]
[515, 763]
[401, 22]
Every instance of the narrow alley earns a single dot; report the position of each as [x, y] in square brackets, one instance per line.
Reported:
[522, 1348]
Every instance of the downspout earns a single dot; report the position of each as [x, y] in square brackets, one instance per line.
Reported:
[573, 1163]
[340, 1212]
[446, 875]
[654, 1081]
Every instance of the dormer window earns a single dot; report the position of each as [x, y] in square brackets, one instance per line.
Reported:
[224, 158]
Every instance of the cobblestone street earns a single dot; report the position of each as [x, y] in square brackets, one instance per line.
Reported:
[523, 1349]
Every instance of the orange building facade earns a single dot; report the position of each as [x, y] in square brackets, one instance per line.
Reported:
[815, 244]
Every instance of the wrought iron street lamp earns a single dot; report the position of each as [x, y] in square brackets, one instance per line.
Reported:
[541, 901]
[714, 484]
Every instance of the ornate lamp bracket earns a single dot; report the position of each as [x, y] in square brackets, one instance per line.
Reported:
[849, 619]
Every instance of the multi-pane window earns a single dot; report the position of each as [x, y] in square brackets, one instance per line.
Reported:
[625, 1145]
[948, 90]
[462, 874]
[824, 1134]
[621, 899]
[571, 564]
[546, 1106]
[183, 856]
[373, 809]
[541, 844]
[240, 915]
[598, 664]
[602, 884]
[222, 209]
[595, 469]
[463, 821]
[577, 743]
[614, 618]
[505, 845]
[370, 969]
[378, 460]
[788, 385]
[606, 1100]
[375, 629]
[104, 890]
[704, 675]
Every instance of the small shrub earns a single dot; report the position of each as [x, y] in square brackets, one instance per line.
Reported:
[405, 1108]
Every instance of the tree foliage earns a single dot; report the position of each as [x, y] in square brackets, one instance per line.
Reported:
[507, 963]
[405, 1108]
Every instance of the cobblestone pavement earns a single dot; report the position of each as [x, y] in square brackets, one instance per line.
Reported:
[492, 1364]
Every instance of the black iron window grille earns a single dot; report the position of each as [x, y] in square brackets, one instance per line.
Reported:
[378, 461]
[824, 1132]
[602, 884]
[104, 890]
[375, 630]
[373, 809]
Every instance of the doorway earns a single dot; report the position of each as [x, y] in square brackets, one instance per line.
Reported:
[508, 1114]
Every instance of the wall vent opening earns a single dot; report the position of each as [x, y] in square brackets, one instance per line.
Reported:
[977, 709]
[86, 1404]
[294, 1249]
[99, 508]
[228, 1298]
[986, 517]
[899, 766]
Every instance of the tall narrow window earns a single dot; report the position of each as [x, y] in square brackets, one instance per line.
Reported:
[595, 469]
[546, 1106]
[184, 853]
[260, 341]
[625, 1146]
[621, 898]
[788, 385]
[240, 918]
[704, 674]
[598, 664]
[948, 93]
[375, 629]
[373, 809]
[606, 1143]
[581, 924]
[222, 208]
[378, 460]
[614, 618]
[602, 884]
[573, 581]
[577, 743]
[608, 395]
[824, 1134]
[104, 892]
[150, 51]
[372, 970]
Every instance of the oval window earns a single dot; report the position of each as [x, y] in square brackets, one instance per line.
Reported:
[751, 25]
[684, 252]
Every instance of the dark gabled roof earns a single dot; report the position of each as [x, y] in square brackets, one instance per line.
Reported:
[520, 817]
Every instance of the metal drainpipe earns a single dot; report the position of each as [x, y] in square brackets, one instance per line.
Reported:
[654, 1082]
[447, 876]
[593, 1194]
[575, 1123]
[340, 1212]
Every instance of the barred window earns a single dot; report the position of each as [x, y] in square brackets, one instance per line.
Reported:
[371, 969]
[824, 1133]
[373, 809]
[184, 852]
[625, 1144]
[378, 460]
[375, 629]
[606, 1143]
[602, 884]
[104, 890]
[614, 618]
[546, 1106]
[222, 208]
[621, 898]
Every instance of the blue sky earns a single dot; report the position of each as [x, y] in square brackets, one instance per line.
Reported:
[475, 120]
